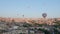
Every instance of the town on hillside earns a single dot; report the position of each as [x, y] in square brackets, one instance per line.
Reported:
[29, 25]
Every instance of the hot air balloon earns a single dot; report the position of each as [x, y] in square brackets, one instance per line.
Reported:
[44, 15]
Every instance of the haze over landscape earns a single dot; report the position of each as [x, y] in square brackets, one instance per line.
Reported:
[29, 8]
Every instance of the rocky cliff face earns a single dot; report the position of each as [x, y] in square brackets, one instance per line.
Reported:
[29, 20]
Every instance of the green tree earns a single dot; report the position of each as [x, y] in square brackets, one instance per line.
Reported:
[27, 25]
[45, 31]
[57, 22]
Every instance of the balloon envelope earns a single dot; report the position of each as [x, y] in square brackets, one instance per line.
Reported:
[44, 15]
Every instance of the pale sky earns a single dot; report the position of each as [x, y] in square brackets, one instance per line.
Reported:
[30, 8]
